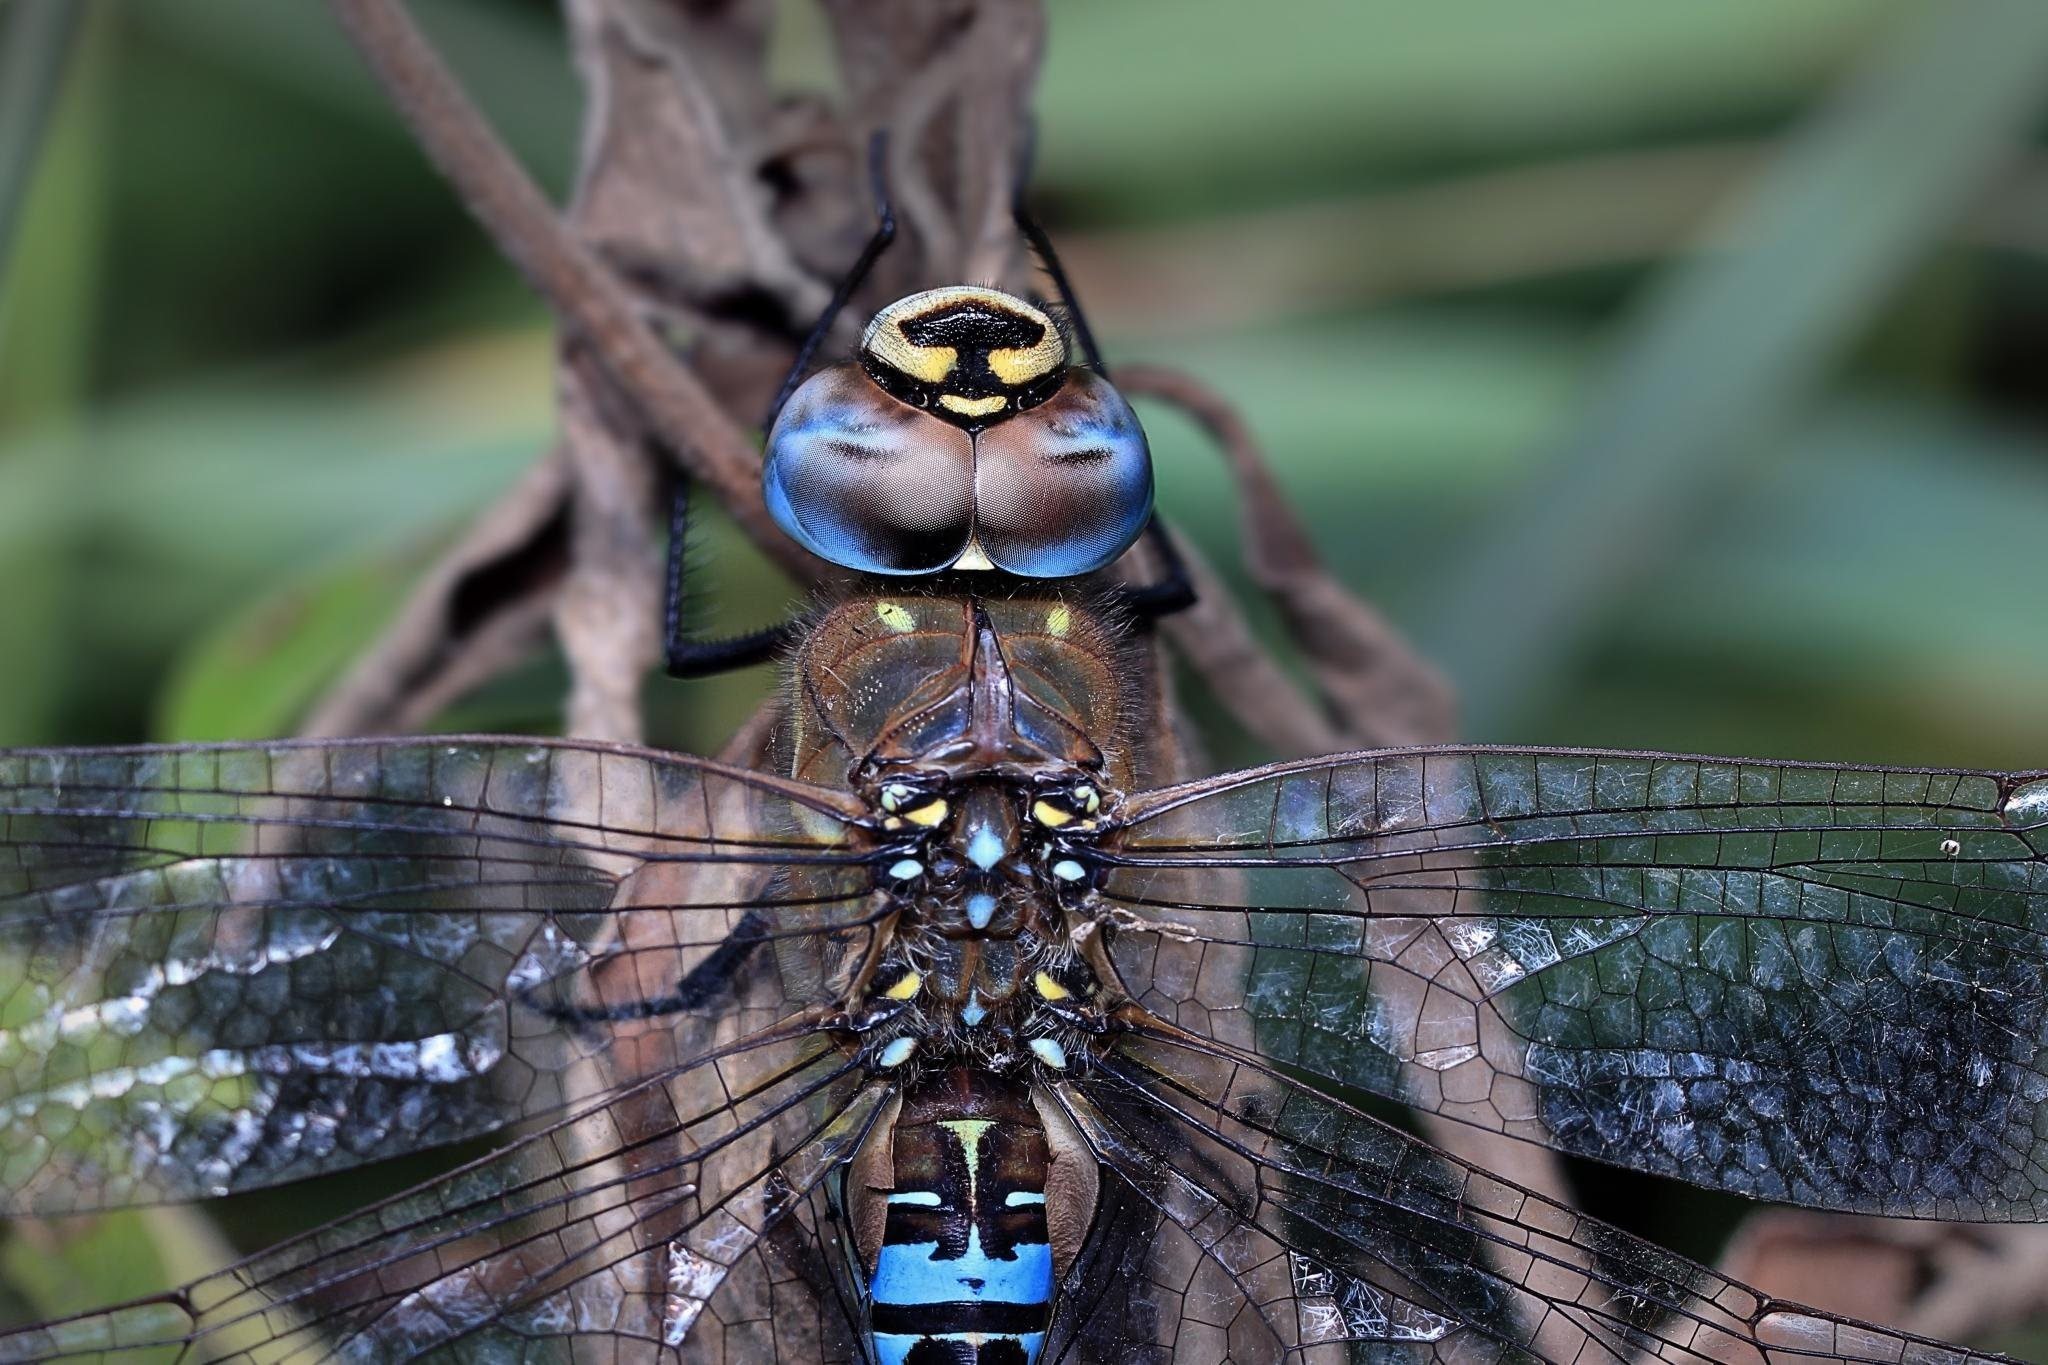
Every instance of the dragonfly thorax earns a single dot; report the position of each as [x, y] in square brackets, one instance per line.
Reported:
[982, 960]
[988, 739]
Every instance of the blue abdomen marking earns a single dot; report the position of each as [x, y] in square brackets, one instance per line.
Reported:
[965, 1272]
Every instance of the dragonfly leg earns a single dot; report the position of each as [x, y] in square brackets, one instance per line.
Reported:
[1041, 247]
[885, 233]
[1172, 591]
[1175, 590]
[698, 987]
[690, 656]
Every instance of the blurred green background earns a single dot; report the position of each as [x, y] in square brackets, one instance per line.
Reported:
[1669, 372]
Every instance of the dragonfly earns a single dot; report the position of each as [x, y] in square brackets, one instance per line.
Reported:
[968, 1022]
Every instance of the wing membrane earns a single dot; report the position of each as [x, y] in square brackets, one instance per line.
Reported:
[223, 967]
[1821, 985]
[594, 1231]
[1296, 1228]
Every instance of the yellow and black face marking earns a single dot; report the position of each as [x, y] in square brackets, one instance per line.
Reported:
[968, 354]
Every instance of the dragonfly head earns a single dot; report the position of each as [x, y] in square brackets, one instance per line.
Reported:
[960, 439]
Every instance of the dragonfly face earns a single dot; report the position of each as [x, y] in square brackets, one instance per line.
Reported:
[960, 439]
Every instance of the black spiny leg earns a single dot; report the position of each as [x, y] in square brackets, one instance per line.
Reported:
[885, 233]
[699, 986]
[1041, 247]
[689, 657]
[1174, 591]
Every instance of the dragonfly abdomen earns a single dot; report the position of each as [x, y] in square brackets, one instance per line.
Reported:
[950, 1206]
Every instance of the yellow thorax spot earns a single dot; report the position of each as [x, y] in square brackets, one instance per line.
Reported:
[906, 988]
[894, 615]
[1049, 815]
[929, 814]
[1087, 803]
[1058, 621]
[1049, 989]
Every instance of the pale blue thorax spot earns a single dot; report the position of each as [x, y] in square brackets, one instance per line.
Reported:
[985, 848]
[981, 908]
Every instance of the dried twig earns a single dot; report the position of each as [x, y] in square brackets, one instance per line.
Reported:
[1008, 46]
[667, 189]
[584, 294]
[611, 598]
[1218, 643]
[1379, 689]
[917, 198]
[482, 607]
[903, 63]
[1952, 1281]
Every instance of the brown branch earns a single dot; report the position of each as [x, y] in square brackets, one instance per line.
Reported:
[610, 602]
[667, 187]
[917, 198]
[1953, 1281]
[904, 62]
[584, 294]
[1380, 690]
[482, 607]
[1009, 44]
[1214, 638]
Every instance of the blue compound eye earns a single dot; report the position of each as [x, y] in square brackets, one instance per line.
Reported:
[960, 440]
[1065, 487]
[868, 482]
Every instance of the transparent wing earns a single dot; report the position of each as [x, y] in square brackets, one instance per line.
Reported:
[598, 1234]
[1821, 985]
[1290, 1227]
[224, 967]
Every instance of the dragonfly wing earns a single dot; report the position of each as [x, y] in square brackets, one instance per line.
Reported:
[1295, 1228]
[1819, 985]
[224, 967]
[577, 1235]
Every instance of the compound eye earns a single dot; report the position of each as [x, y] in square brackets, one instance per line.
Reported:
[868, 482]
[1065, 487]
